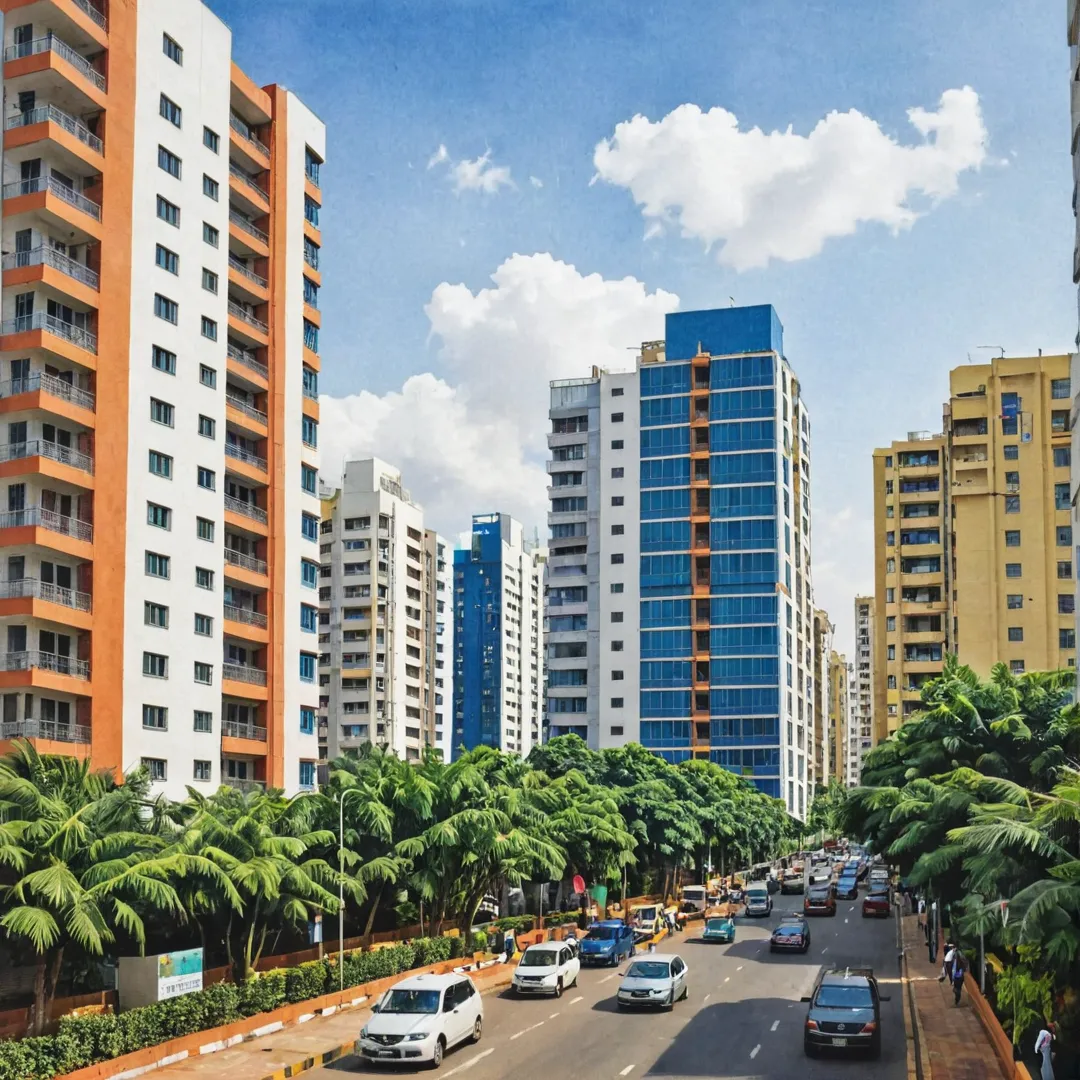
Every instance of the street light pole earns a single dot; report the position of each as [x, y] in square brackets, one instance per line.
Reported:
[341, 884]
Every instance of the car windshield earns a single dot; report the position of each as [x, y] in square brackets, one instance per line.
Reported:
[788, 930]
[716, 924]
[538, 958]
[836, 996]
[410, 1001]
[646, 914]
[648, 969]
[603, 933]
[819, 894]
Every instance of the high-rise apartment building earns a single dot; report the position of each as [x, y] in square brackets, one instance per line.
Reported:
[159, 348]
[439, 629]
[861, 732]
[839, 716]
[910, 635]
[822, 645]
[498, 638]
[378, 595]
[1074, 482]
[680, 603]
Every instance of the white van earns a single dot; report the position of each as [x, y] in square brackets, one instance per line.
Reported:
[757, 899]
[695, 896]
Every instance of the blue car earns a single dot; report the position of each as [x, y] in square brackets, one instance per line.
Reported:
[719, 929]
[607, 943]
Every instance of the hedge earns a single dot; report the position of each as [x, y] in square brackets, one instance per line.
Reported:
[86, 1040]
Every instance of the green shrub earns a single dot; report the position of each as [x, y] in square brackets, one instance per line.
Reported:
[431, 951]
[307, 981]
[515, 923]
[262, 993]
[478, 942]
[457, 947]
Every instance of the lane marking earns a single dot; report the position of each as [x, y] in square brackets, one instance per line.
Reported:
[740, 967]
[608, 978]
[776, 1023]
[552, 1016]
[753, 1053]
[845, 918]
[576, 1000]
[705, 998]
[471, 1062]
[524, 1032]
[626, 1072]
[728, 979]
[825, 950]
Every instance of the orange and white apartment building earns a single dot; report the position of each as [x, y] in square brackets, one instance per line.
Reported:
[158, 382]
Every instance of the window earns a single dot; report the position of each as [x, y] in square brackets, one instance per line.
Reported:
[1059, 388]
[166, 309]
[312, 161]
[173, 51]
[309, 431]
[311, 383]
[1014, 601]
[616, 646]
[890, 623]
[307, 780]
[311, 336]
[207, 478]
[1008, 424]
[616, 586]
[307, 720]
[209, 328]
[1011, 452]
[168, 212]
[1012, 569]
[1062, 457]
[210, 187]
[616, 702]
[157, 565]
[155, 717]
[1061, 496]
[309, 574]
[617, 559]
[204, 720]
[207, 426]
[1012, 504]
[208, 376]
[204, 529]
[1064, 569]
[311, 292]
[163, 360]
[1012, 480]
[161, 464]
[1064, 536]
[204, 625]
[1012, 537]
[1066, 603]
[617, 444]
[309, 526]
[617, 474]
[618, 530]
[311, 253]
[168, 161]
[1016, 667]
[890, 539]
[210, 235]
[202, 770]
[204, 673]
[1066, 639]
[211, 140]
[170, 111]
[209, 281]
[1016, 633]
[307, 667]
[311, 211]
[617, 391]
[156, 615]
[155, 768]
[617, 500]
[204, 579]
[155, 665]
[161, 412]
[309, 479]
[309, 618]
[1059, 421]
[158, 516]
[616, 616]
[167, 260]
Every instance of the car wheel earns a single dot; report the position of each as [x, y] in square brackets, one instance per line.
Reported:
[576, 974]
[620, 1006]
[437, 1053]
[478, 1029]
[809, 1049]
[671, 1000]
[558, 989]
[685, 993]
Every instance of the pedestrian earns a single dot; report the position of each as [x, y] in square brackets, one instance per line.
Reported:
[1043, 1045]
[946, 964]
[922, 915]
[959, 966]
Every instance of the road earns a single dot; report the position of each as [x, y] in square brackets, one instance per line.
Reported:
[743, 1017]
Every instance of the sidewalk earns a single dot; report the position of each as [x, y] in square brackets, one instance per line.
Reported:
[952, 1036]
[299, 1047]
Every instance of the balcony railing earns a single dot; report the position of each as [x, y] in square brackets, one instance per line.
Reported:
[248, 616]
[241, 405]
[45, 729]
[244, 673]
[312, 258]
[51, 43]
[248, 227]
[244, 132]
[51, 385]
[49, 183]
[54, 451]
[247, 180]
[243, 785]
[242, 356]
[32, 588]
[244, 315]
[241, 454]
[41, 320]
[310, 393]
[45, 661]
[50, 113]
[240, 268]
[233, 729]
[245, 562]
[96, 15]
[47, 519]
[241, 506]
[49, 256]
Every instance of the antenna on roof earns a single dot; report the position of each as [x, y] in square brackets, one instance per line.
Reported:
[1001, 347]
[732, 299]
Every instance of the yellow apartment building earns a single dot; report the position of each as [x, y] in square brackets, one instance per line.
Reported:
[1011, 545]
[839, 675]
[823, 635]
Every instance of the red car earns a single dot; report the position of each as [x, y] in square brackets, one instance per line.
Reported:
[876, 903]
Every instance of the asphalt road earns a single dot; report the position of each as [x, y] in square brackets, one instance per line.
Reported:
[742, 1018]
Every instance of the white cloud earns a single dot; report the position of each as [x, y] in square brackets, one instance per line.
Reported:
[474, 441]
[536, 181]
[782, 195]
[440, 155]
[479, 174]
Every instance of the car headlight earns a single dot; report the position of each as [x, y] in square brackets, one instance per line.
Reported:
[417, 1036]
[661, 990]
[363, 1033]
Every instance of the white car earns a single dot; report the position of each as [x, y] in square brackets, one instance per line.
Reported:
[548, 968]
[655, 979]
[420, 1018]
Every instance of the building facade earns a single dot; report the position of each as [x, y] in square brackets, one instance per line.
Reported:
[822, 645]
[498, 639]
[679, 589]
[439, 621]
[839, 716]
[378, 598]
[861, 731]
[159, 347]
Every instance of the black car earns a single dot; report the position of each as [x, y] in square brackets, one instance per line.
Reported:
[819, 901]
[847, 888]
[844, 1013]
[792, 883]
[792, 935]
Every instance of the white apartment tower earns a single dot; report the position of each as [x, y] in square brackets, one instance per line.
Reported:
[861, 696]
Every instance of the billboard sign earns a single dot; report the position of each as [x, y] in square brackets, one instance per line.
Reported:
[179, 973]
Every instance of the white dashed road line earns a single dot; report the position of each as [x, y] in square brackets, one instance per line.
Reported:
[471, 1062]
[776, 1023]
[552, 1016]
[526, 1031]
[740, 967]
[705, 998]
[825, 950]
[576, 1000]
[627, 1070]
[608, 978]
[728, 979]
[845, 918]
[753, 1053]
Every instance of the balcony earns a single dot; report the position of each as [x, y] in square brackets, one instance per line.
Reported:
[33, 589]
[50, 185]
[50, 114]
[249, 181]
[247, 135]
[245, 562]
[64, 455]
[48, 384]
[45, 729]
[240, 506]
[60, 48]
[241, 313]
[244, 271]
[310, 393]
[233, 729]
[238, 452]
[47, 519]
[93, 13]
[243, 785]
[243, 356]
[47, 256]
[50, 324]
[247, 616]
[45, 661]
[242, 406]
[311, 257]
[244, 225]
[244, 673]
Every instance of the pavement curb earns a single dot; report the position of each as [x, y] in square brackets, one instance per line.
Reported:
[918, 1054]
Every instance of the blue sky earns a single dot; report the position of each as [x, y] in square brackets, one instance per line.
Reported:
[872, 323]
